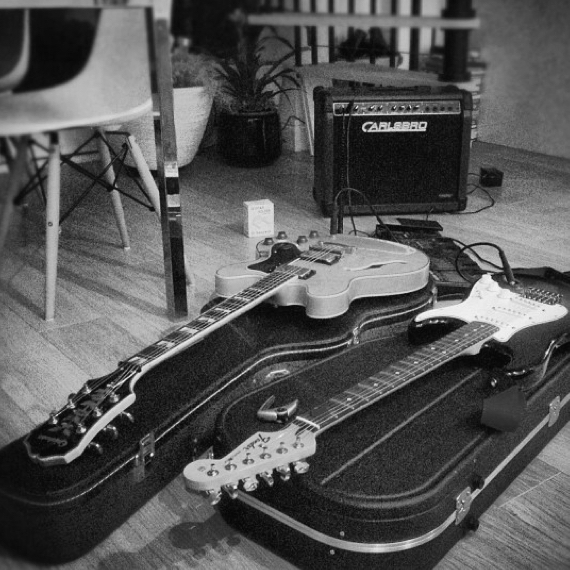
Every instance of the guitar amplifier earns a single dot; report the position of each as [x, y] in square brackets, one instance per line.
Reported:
[393, 150]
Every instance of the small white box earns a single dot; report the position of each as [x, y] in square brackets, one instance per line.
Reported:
[258, 218]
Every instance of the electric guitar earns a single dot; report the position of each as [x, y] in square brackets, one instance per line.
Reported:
[325, 276]
[521, 317]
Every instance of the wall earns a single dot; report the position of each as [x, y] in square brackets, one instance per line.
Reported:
[526, 99]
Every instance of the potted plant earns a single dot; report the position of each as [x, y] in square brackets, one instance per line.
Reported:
[249, 129]
[194, 88]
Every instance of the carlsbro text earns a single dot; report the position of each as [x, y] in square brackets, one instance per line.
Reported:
[397, 126]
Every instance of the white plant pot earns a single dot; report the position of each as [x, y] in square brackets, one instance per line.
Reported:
[192, 106]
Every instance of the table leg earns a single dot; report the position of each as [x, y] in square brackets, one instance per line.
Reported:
[167, 161]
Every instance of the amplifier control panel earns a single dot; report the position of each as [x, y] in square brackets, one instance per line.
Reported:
[399, 107]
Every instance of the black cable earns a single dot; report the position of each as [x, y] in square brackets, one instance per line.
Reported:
[504, 261]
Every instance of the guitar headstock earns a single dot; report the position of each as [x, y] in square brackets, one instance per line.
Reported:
[258, 456]
[72, 429]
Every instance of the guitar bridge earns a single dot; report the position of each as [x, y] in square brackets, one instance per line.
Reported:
[319, 254]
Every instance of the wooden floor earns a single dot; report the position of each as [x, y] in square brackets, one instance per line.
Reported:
[111, 304]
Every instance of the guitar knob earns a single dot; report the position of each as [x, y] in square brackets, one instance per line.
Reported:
[249, 484]
[213, 496]
[284, 472]
[111, 431]
[282, 235]
[268, 241]
[505, 294]
[96, 447]
[231, 489]
[313, 234]
[300, 466]
[301, 240]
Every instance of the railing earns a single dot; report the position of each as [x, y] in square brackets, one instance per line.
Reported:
[456, 21]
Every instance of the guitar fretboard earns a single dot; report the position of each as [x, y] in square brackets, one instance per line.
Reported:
[216, 316]
[397, 375]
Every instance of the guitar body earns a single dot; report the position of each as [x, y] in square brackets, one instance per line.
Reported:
[367, 268]
[57, 513]
[399, 483]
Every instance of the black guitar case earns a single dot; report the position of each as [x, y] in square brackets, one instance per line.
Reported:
[58, 513]
[400, 482]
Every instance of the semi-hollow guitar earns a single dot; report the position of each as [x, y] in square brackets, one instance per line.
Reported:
[323, 275]
[522, 322]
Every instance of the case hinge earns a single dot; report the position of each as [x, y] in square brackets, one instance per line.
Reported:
[143, 457]
[553, 411]
[463, 504]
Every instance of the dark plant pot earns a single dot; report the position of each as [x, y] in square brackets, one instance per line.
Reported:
[249, 139]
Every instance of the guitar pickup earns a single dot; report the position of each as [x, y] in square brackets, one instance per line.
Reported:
[324, 255]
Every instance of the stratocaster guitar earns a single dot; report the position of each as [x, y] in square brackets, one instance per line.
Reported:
[516, 319]
[324, 276]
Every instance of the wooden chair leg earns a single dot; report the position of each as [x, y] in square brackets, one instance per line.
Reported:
[52, 224]
[109, 175]
[151, 188]
[15, 181]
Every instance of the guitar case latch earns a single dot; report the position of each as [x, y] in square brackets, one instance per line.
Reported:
[553, 411]
[463, 504]
[143, 457]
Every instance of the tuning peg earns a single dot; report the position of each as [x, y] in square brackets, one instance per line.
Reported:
[80, 429]
[52, 420]
[96, 447]
[267, 477]
[249, 484]
[300, 466]
[114, 398]
[231, 489]
[127, 416]
[71, 401]
[97, 413]
[284, 472]
[214, 496]
[111, 431]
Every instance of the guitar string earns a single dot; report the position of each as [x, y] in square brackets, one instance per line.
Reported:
[199, 324]
[435, 360]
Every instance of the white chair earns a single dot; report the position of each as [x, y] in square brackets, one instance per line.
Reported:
[112, 88]
[14, 47]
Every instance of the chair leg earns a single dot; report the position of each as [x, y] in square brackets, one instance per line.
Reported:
[151, 188]
[105, 157]
[52, 224]
[15, 180]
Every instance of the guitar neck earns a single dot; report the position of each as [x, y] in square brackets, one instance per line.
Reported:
[213, 318]
[397, 375]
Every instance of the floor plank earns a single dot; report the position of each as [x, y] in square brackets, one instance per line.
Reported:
[111, 304]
